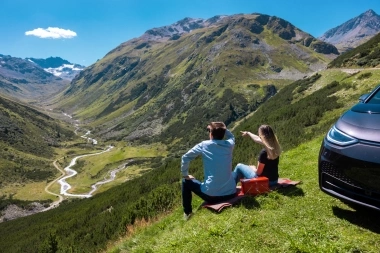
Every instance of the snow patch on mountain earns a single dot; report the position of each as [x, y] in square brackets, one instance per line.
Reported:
[66, 71]
[58, 67]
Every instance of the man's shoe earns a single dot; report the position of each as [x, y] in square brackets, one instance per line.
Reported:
[187, 216]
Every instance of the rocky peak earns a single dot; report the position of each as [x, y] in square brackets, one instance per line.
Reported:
[368, 13]
[354, 32]
[174, 31]
[51, 62]
[18, 68]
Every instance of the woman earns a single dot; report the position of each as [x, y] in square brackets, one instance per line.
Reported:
[269, 157]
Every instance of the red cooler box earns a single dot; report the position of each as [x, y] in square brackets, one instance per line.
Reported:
[255, 186]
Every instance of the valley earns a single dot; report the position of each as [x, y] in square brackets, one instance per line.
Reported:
[68, 184]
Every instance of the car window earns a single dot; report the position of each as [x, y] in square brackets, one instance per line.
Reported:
[375, 99]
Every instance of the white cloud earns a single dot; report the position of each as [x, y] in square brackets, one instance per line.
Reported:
[52, 32]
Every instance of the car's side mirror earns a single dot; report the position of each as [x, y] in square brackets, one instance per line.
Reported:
[363, 97]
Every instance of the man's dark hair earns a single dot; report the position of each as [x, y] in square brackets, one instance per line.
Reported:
[218, 129]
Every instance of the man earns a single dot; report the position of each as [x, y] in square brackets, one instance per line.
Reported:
[219, 183]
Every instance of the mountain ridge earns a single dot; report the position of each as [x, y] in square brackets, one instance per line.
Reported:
[33, 79]
[365, 55]
[24, 80]
[353, 32]
[147, 85]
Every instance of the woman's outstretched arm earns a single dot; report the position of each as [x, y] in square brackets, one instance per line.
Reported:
[254, 137]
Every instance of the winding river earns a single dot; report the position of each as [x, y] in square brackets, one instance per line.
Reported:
[70, 173]
[65, 187]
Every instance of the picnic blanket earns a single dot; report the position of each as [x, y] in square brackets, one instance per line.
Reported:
[284, 182]
[218, 207]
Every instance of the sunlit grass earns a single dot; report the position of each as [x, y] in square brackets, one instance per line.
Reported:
[27, 191]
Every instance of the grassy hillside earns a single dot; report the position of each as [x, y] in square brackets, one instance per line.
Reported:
[364, 56]
[297, 219]
[28, 139]
[109, 215]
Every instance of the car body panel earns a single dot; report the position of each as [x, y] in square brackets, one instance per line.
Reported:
[363, 126]
[349, 179]
[361, 151]
[366, 108]
[350, 171]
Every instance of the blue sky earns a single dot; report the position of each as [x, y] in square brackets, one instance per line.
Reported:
[86, 30]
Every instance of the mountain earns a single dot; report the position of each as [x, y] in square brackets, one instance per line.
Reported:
[354, 32]
[169, 83]
[22, 79]
[58, 67]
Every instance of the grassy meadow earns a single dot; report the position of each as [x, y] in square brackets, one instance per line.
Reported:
[294, 219]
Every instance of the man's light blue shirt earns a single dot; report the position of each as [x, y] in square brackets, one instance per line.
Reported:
[217, 165]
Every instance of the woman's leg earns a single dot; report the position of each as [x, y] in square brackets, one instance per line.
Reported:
[243, 171]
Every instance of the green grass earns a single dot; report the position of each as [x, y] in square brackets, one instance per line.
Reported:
[296, 219]
[30, 191]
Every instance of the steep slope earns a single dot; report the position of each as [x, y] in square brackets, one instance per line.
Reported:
[25, 80]
[27, 138]
[171, 81]
[354, 32]
[365, 55]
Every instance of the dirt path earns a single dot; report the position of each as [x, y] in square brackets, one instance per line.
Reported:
[355, 70]
[60, 198]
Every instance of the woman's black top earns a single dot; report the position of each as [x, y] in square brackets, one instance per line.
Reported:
[271, 166]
